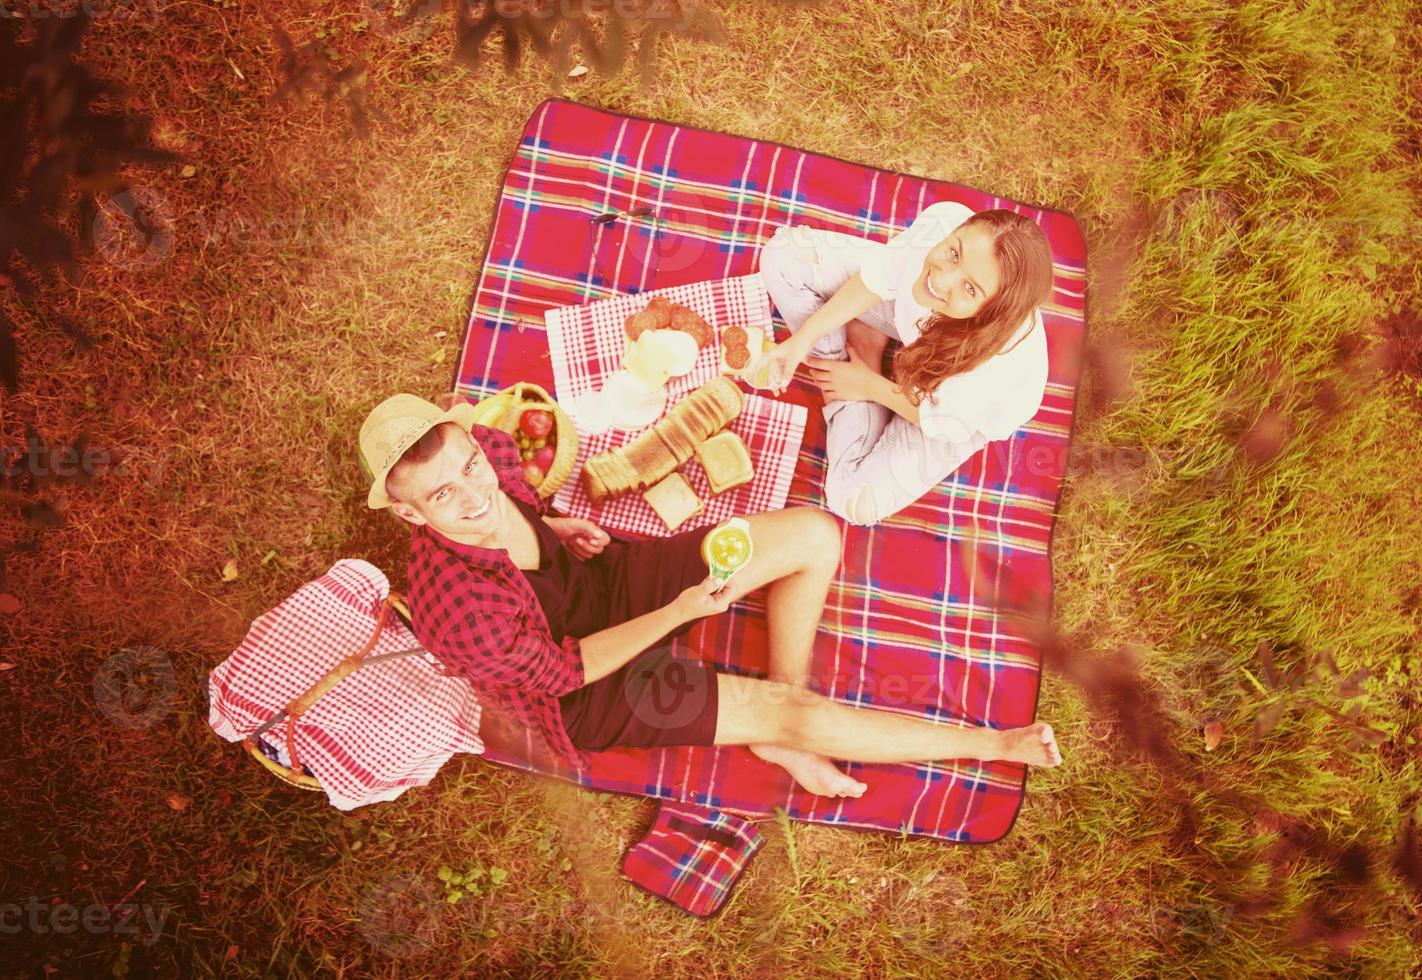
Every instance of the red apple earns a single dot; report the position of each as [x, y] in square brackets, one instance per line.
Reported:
[536, 424]
[533, 473]
[543, 458]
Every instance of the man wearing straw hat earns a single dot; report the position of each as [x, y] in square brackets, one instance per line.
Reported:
[565, 628]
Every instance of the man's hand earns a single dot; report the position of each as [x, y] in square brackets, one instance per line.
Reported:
[583, 538]
[845, 381]
[707, 598]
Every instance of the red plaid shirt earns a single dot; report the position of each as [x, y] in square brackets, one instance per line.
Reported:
[473, 609]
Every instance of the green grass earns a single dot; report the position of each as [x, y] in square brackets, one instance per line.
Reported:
[1247, 176]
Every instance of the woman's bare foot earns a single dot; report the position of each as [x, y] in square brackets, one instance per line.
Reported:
[814, 773]
[865, 343]
[1034, 745]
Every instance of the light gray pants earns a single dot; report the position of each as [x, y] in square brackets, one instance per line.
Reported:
[877, 461]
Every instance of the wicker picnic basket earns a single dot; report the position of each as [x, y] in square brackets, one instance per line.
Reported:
[294, 775]
[503, 410]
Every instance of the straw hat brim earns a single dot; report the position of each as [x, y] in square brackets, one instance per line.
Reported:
[462, 413]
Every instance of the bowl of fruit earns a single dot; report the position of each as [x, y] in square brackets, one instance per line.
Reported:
[547, 441]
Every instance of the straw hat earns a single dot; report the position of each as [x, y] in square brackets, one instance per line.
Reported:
[394, 426]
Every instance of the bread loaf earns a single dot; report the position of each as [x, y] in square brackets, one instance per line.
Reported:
[660, 449]
[677, 442]
[593, 483]
[649, 458]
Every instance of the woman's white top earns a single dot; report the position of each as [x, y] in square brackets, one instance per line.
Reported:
[997, 397]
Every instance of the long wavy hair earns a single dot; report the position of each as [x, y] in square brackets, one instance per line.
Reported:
[947, 345]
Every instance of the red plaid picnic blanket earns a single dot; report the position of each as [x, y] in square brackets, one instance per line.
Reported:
[910, 625]
[586, 344]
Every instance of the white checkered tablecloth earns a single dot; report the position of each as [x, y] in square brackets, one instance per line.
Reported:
[586, 344]
[383, 729]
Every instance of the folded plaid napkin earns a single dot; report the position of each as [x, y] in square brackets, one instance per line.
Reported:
[692, 856]
[586, 344]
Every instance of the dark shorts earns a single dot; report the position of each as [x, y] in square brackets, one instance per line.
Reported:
[657, 698]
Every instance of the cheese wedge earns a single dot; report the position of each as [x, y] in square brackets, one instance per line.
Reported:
[650, 359]
[681, 348]
[632, 405]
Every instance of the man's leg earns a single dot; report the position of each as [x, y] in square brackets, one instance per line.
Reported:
[796, 555]
[753, 711]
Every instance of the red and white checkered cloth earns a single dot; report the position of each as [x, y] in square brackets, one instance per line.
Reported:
[586, 344]
[383, 729]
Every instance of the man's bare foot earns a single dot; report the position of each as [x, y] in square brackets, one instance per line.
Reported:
[1034, 745]
[814, 773]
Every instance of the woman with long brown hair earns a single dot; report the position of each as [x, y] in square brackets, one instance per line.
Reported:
[926, 347]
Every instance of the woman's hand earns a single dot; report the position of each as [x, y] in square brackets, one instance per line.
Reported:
[706, 598]
[779, 365]
[845, 381]
[583, 538]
